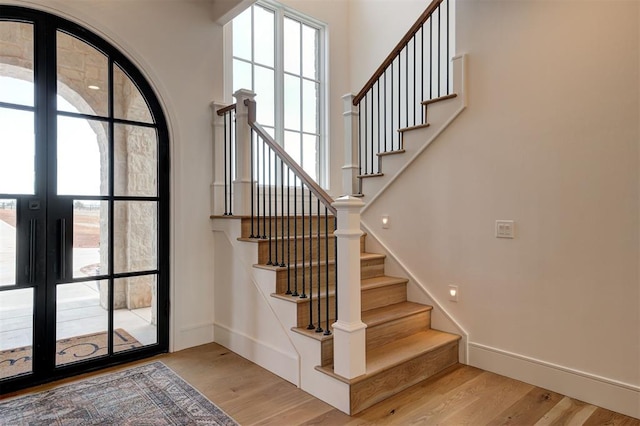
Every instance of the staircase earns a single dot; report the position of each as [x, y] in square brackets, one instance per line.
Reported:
[401, 347]
[288, 242]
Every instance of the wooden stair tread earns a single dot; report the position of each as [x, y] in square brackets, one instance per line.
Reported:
[388, 313]
[371, 256]
[397, 352]
[280, 238]
[321, 337]
[397, 151]
[417, 126]
[402, 350]
[438, 99]
[298, 265]
[370, 175]
[377, 282]
[297, 299]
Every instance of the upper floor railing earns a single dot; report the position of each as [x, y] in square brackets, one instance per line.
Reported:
[417, 69]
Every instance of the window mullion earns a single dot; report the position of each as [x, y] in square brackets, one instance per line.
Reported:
[279, 77]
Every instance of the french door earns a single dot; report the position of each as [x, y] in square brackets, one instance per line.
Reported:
[83, 203]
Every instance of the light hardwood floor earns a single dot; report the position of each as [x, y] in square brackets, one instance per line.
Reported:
[460, 395]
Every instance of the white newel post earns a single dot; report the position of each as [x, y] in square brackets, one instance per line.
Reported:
[242, 182]
[349, 338]
[217, 186]
[350, 169]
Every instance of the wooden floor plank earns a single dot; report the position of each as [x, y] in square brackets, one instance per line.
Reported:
[496, 393]
[567, 412]
[460, 395]
[605, 417]
[528, 409]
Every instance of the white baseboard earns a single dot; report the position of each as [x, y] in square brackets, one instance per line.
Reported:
[607, 393]
[192, 335]
[285, 365]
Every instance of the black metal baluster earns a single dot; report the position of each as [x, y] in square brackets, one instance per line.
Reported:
[378, 123]
[270, 216]
[252, 181]
[422, 71]
[366, 142]
[257, 165]
[288, 231]
[319, 328]
[282, 264]
[311, 326]
[232, 143]
[399, 99]
[439, 43]
[406, 86]
[326, 268]
[385, 110]
[431, 57]
[414, 80]
[227, 138]
[335, 254]
[264, 191]
[359, 147]
[448, 58]
[274, 200]
[304, 275]
[391, 128]
[372, 141]
[295, 236]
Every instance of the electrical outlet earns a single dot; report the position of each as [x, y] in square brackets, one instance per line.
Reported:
[505, 229]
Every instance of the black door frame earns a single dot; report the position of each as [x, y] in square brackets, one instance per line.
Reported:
[35, 238]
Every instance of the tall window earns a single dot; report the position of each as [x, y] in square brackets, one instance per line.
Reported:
[279, 54]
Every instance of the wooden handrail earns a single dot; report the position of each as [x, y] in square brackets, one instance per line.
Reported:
[396, 50]
[320, 193]
[223, 111]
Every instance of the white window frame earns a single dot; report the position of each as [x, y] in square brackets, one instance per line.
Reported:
[280, 12]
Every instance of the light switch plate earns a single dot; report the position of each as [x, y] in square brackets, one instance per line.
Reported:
[505, 229]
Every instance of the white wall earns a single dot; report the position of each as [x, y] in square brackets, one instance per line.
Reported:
[550, 140]
[375, 27]
[179, 48]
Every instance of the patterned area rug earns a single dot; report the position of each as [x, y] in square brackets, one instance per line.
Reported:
[18, 361]
[150, 394]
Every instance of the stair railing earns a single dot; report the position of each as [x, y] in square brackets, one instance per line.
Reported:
[307, 231]
[286, 207]
[417, 69]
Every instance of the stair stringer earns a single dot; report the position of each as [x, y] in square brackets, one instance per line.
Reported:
[418, 292]
[439, 116]
[297, 361]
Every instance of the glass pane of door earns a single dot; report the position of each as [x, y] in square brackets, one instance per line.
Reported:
[135, 236]
[17, 151]
[16, 332]
[82, 319]
[128, 102]
[16, 51]
[8, 208]
[135, 161]
[83, 77]
[90, 238]
[82, 157]
[135, 316]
